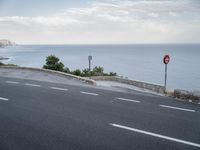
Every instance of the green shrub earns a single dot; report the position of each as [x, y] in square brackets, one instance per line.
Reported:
[52, 63]
[86, 73]
[98, 71]
[113, 74]
[2, 64]
[66, 70]
[77, 72]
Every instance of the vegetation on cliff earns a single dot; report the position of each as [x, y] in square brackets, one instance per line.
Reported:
[2, 64]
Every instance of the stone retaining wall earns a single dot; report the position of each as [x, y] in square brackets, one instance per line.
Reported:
[140, 84]
[177, 93]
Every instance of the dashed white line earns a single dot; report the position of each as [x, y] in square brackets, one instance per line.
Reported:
[178, 108]
[128, 100]
[4, 99]
[29, 84]
[156, 135]
[57, 88]
[12, 82]
[88, 93]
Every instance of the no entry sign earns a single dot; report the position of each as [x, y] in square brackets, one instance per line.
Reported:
[166, 59]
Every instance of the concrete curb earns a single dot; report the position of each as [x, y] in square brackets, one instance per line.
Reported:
[90, 81]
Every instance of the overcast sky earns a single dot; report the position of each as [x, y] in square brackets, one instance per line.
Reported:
[100, 21]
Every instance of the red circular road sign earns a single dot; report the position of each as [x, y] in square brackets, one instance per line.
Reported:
[166, 59]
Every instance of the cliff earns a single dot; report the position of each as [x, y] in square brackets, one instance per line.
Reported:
[4, 43]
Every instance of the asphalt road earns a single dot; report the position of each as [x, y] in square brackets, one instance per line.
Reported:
[48, 116]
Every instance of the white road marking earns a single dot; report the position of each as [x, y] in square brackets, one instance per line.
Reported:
[57, 88]
[87, 93]
[178, 108]
[12, 82]
[35, 85]
[156, 135]
[128, 100]
[4, 99]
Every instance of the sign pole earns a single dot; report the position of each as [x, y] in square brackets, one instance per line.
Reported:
[89, 58]
[89, 65]
[165, 77]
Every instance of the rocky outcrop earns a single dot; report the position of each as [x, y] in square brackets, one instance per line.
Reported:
[4, 43]
[187, 95]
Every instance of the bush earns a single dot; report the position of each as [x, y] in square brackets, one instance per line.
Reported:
[113, 74]
[86, 72]
[52, 63]
[98, 71]
[66, 70]
[2, 64]
[77, 72]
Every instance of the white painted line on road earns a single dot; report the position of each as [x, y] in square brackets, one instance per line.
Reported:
[128, 100]
[156, 135]
[35, 85]
[12, 82]
[57, 88]
[178, 108]
[4, 99]
[87, 93]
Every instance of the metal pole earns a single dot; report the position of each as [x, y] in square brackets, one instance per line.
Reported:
[89, 64]
[165, 78]
[90, 59]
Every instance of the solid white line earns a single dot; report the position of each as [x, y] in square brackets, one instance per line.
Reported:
[156, 135]
[57, 88]
[12, 82]
[87, 93]
[4, 99]
[29, 84]
[178, 108]
[128, 100]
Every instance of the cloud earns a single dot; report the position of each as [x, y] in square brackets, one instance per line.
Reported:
[137, 21]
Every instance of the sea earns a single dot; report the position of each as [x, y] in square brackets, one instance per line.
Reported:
[143, 62]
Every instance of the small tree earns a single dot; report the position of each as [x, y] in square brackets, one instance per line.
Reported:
[98, 71]
[52, 63]
[113, 74]
[86, 72]
[77, 72]
[66, 70]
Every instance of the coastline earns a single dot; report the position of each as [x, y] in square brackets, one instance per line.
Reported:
[137, 62]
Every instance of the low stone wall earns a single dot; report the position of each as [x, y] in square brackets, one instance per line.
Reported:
[140, 84]
[177, 93]
[90, 81]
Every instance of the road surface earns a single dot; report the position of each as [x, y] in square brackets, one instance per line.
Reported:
[36, 115]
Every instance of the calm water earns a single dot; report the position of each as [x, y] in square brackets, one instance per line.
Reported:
[138, 62]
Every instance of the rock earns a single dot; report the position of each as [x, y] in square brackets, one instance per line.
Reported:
[186, 95]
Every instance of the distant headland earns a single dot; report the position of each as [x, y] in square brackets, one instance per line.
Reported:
[5, 42]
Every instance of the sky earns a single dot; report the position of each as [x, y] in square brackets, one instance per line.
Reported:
[100, 21]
